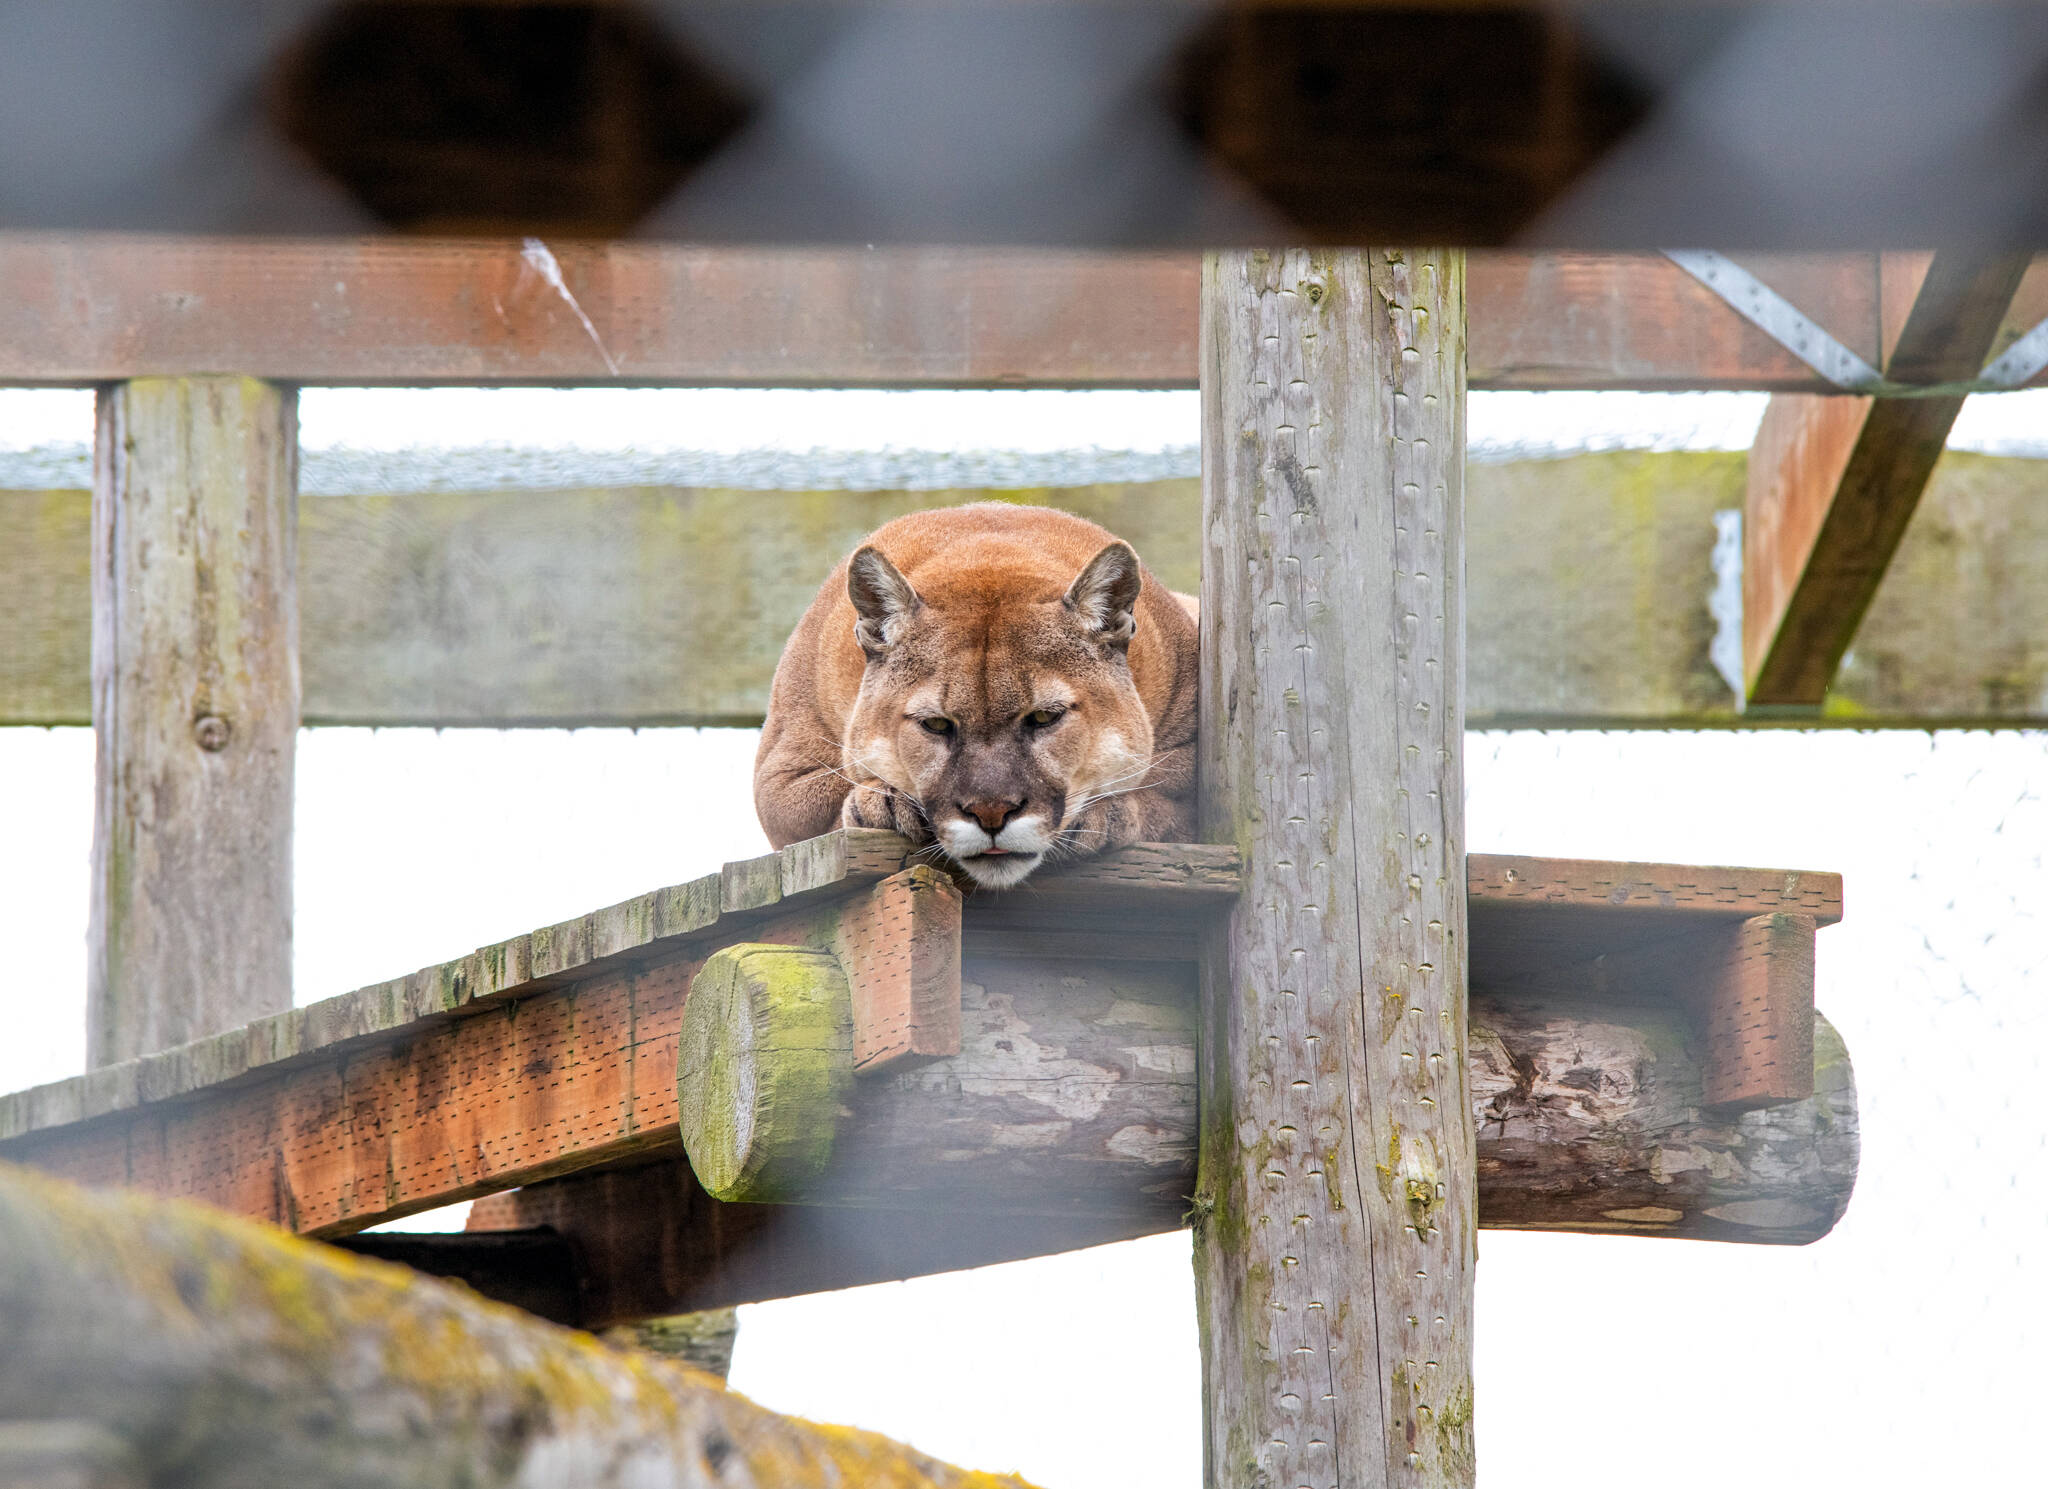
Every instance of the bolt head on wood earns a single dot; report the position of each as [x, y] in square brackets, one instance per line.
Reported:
[211, 733]
[763, 1069]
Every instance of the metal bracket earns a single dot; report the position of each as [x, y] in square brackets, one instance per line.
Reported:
[1782, 321]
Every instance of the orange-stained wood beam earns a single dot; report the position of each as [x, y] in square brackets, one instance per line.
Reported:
[556, 1053]
[1833, 481]
[90, 308]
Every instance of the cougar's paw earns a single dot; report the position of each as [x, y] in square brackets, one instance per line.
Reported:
[1102, 825]
[872, 804]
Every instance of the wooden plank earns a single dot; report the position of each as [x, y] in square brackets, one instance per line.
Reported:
[84, 308]
[1336, 1199]
[900, 946]
[195, 711]
[1760, 1015]
[617, 941]
[1589, 579]
[1649, 891]
[282, 1363]
[551, 1054]
[1833, 482]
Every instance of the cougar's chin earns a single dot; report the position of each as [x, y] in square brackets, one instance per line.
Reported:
[1000, 870]
[1001, 861]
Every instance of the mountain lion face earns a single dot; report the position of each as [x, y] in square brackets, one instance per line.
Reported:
[1003, 716]
[1003, 683]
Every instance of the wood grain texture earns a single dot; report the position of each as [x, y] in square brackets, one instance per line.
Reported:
[766, 1050]
[1759, 1014]
[1590, 1118]
[1072, 1093]
[195, 711]
[231, 1356]
[1588, 578]
[67, 1453]
[84, 308]
[1064, 1055]
[1532, 917]
[1833, 482]
[618, 940]
[651, 1242]
[900, 947]
[1336, 1200]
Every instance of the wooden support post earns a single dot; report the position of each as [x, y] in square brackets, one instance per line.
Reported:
[1833, 481]
[1336, 1198]
[195, 709]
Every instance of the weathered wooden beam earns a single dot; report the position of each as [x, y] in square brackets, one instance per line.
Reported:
[1833, 482]
[195, 711]
[1074, 1094]
[401, 1097]
[397, 1098]
[1337, 1196]
[649, 1242]
[533, 1269]
[228, 1355]
[1589, 577]
[1633, 1150]
[85, 308]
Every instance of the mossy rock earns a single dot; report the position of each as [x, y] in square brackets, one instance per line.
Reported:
[763, 1069]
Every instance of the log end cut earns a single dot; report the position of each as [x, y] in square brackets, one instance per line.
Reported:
[763, 1069]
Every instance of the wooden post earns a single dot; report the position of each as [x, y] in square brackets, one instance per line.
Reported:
[195, 710]
[1335, 1204]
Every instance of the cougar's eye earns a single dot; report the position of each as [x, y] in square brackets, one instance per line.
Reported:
[938, 725]
[1042, 718]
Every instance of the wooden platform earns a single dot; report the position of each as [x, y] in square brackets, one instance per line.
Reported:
[555, 1054]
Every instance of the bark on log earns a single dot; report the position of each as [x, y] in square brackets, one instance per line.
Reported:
[1074, 1094]
[229, 1355]
[196, 711]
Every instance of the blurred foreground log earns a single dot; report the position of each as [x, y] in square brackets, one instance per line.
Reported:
[227, 1355]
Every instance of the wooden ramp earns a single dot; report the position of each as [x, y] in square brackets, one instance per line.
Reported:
[1644, 1059]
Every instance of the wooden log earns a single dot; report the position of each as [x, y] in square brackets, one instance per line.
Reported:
[1833, 482]
[429, 1089]
[66, 1454]
[195, 711]
[1336, 1200]
[703, 1341]
[1590, 1120]
[767, 1044]
[1075, 1094]
[233, 1356]
[649, 1242]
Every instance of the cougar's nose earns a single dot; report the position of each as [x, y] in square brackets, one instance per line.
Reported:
[992, 814]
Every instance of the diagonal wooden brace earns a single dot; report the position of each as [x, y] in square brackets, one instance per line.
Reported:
[899, 946]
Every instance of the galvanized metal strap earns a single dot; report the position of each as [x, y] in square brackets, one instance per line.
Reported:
[1782, 321]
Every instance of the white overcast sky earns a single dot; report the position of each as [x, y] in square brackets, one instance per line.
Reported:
[1904, 1349]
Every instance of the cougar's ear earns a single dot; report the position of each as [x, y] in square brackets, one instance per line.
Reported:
[882, 598]
[1106, 595]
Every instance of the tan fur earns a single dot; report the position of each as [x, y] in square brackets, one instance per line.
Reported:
[992, 643]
